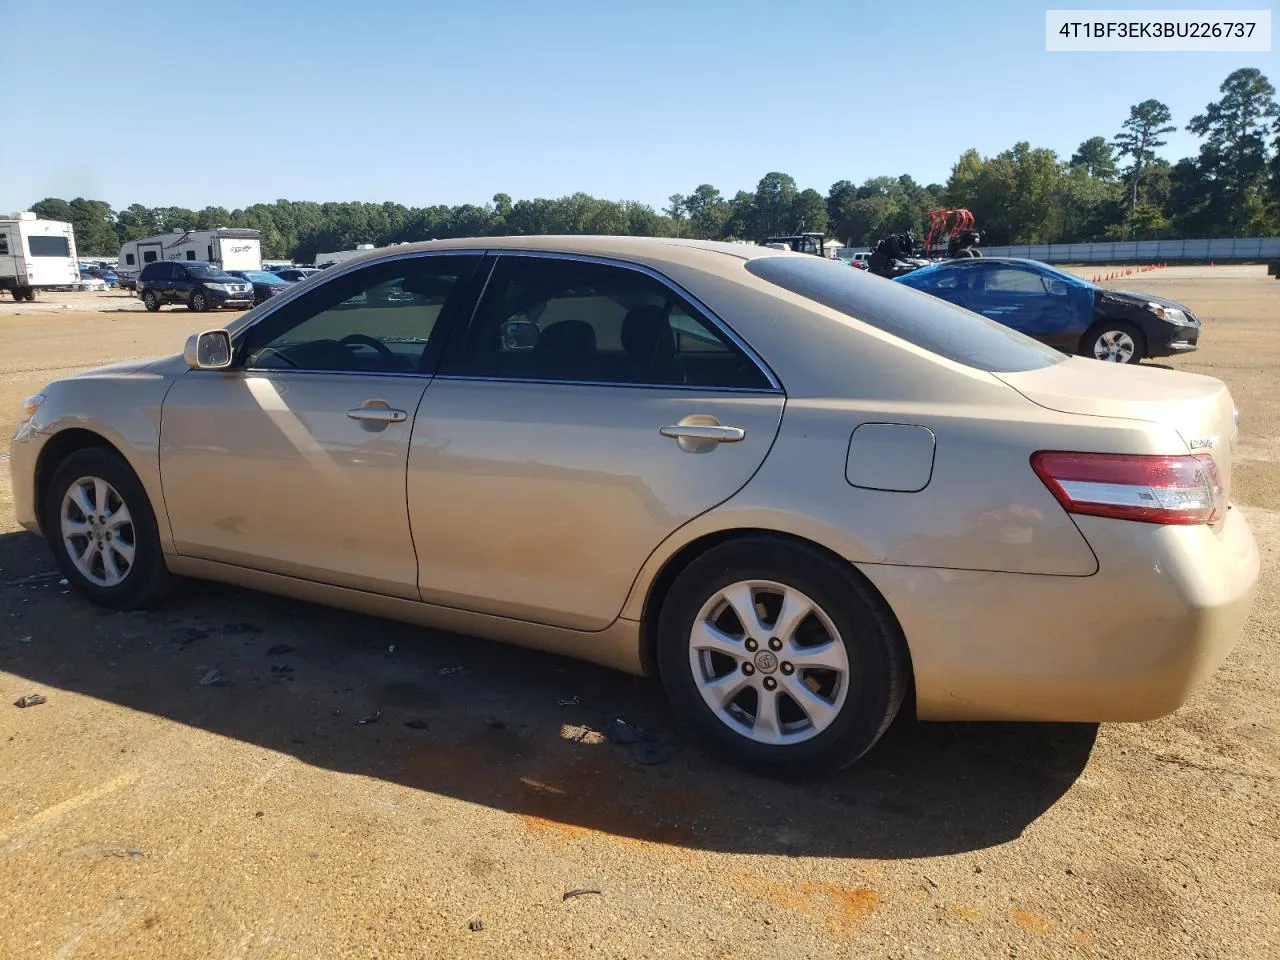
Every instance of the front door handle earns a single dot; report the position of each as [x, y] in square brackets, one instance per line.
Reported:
[694, 431]
[376, 414]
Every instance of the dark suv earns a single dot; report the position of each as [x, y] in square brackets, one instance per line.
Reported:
[199, 285]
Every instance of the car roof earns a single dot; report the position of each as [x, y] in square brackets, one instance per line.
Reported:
[664, 250]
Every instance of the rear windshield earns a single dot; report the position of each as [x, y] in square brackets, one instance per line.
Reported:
[49, 246]
[919, 318]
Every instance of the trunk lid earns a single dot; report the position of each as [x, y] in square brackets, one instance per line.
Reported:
[1199, 408]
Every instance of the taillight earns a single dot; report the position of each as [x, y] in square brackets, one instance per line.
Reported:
[1150, 489]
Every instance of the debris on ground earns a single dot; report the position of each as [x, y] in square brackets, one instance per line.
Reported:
[451, 672]
[621, 732]
[279, 650]
[581, 734]
[64, 582]
[417, 724]
[371, 718]
[391, 648]
[211, 678]
[30, 700]
[25, 639]
[475, 924]
[34, 578]
[570, 701]
[580, 892]
[650, 752]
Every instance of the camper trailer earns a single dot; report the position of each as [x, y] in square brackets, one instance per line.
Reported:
[36, 253]
[230, 248]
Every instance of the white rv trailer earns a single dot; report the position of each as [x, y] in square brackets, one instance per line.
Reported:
[231, 248]
[36, 253]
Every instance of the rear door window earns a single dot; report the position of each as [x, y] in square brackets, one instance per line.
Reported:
[911, 315]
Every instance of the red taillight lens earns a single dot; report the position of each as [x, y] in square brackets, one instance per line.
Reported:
[1150, 489]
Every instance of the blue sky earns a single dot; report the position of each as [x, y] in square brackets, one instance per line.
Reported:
[195, 104]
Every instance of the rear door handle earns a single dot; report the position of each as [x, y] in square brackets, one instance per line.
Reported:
[714, 433]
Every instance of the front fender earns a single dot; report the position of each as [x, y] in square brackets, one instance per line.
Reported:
[123, 408]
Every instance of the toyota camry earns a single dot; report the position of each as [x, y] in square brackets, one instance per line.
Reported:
[805, 497]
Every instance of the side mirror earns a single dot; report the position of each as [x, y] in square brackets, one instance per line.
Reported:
[1057, 288]
[210, 350]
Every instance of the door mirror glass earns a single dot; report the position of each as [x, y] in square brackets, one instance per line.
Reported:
[1058, 288]
[210, 350]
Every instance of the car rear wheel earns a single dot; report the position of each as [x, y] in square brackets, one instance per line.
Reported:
[100, 525]
[150, 300]
[1115, 342]
[783, 658]
[199, 301]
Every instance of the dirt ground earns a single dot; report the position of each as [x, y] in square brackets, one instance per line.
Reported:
[145, 815]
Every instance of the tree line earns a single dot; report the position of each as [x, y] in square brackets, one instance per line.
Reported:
[1110, 188]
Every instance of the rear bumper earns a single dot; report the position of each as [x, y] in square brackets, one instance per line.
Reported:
[1130, 643]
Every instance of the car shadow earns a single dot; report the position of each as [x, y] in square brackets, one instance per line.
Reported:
[571, 748]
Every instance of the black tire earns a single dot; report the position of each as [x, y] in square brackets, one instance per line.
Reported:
[199, 301]
[150, 300]
[16, 293]
[1114, 327]
[879, 664]
[29, 294]
[147, 580]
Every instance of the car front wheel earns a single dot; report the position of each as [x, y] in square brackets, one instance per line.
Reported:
[1115, 342]
[199, 301]
[100, 525]
[783, 658]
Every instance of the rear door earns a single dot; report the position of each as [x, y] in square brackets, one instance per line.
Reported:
[589, 411]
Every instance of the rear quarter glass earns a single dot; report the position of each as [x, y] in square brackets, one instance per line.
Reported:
[918, 318]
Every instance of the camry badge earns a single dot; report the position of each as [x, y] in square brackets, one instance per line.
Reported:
[1204, 443]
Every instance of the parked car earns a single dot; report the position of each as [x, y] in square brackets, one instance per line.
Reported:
[862, 260]
[89, 282]
[195, 283]
[108, 278]
[1062, 310]
[579, 444]
[264, 284]
[294, 274]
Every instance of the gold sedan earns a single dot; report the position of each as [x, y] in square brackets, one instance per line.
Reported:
[802, 495]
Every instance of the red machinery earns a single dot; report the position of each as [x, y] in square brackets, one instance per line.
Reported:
[956, 228]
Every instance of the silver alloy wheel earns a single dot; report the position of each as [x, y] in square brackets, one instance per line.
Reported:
[769, 662]
[98, 532]
[1115, 346]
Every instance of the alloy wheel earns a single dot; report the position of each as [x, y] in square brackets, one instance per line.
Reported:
[98, 532]
[1115, 346]
[769, 662]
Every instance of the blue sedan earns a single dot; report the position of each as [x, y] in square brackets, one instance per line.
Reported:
[1062, 310]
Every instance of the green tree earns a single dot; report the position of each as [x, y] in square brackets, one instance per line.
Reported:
[707, 211]
[1096, 157]
[809, 212]
[1139, 138]
[1233, 157]
[675, 212]
[774, 205]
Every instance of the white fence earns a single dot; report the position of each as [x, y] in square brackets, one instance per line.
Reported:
[1145, 251]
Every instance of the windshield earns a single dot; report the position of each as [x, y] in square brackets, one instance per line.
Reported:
[206, 271]
[258, 276]
[918, 318]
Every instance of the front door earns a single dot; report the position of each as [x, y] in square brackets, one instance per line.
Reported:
[293, 460]
[589, 411]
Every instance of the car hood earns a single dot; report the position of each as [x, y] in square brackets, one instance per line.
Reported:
[1141, 299]
[127, 367]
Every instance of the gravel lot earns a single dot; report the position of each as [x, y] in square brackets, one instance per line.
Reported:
[145, 815]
